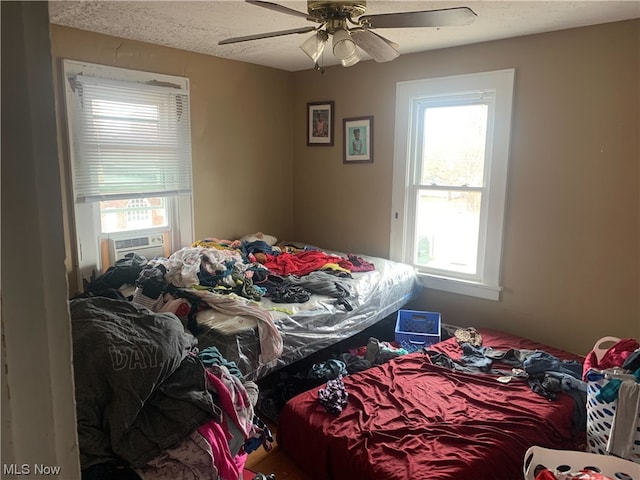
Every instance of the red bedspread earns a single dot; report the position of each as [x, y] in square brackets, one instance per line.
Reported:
[409, 420]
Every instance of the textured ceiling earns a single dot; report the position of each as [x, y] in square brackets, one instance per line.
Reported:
[198, 26]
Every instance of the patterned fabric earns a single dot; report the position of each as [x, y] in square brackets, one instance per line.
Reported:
[468, 335]
[334, 396]
[191, 459]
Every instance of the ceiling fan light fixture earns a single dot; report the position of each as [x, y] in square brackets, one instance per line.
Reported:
[343, 46]
[351, 60]
[314, 45]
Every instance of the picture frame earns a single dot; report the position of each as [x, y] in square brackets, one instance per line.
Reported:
[320, 123]
[358, 140]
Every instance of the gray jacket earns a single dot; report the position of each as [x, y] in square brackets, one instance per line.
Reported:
[139, 388]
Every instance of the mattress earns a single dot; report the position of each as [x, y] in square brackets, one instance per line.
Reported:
[411, 419]
[312, 325]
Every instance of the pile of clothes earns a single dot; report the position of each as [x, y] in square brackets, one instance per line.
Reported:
[546, 474]
[149, 404]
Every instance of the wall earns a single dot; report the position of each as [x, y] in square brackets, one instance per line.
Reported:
[38, 407]
[571, 259]
[571, 251]
[241, 121]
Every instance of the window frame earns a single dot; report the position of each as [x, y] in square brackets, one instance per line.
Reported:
[88, 229]
[471, 88]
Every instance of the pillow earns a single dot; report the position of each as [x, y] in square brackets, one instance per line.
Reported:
[268, 239]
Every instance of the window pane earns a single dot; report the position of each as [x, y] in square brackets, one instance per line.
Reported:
[447, 226]
[133, 214]
[454, 145]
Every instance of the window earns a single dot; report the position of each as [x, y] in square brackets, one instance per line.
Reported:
[450, 174]
[136, 214]
[130, 145]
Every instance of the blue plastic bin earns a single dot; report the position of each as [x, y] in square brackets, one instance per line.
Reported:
[416, 329]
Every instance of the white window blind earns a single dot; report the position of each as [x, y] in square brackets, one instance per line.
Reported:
[129, 139]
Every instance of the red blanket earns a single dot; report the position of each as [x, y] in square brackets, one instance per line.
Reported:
[409, 419]
[302, 263]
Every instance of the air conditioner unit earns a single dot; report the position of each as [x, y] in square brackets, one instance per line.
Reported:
[149, 246]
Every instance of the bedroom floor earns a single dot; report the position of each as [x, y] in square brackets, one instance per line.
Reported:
[275, 461]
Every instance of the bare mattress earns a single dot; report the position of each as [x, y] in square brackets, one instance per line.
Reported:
[260, 306]
[309, 326]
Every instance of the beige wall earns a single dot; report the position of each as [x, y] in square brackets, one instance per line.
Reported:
[572, 243]
[241, 120]
[571, 257]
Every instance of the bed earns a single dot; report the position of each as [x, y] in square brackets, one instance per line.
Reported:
[412, 419]
[167, 350]
[310, 326]
[232, 296]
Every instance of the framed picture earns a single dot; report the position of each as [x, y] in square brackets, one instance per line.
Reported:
[358, 140]
[320, 124]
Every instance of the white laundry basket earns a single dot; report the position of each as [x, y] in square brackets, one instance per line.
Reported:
[567, 460]
[600, 414]
[602, 345]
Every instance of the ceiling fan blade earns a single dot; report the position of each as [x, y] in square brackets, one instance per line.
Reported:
[258, 36]
[379, 48]
[390, 42]
[280, 8]
[446, 17]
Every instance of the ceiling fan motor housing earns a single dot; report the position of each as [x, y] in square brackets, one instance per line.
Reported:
[323, 10]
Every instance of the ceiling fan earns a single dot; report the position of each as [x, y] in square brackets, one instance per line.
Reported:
[351, 29]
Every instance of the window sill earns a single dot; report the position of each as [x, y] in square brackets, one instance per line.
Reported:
[461, 287]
